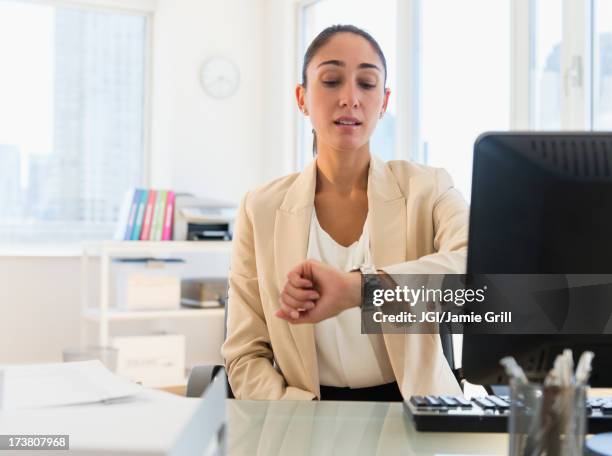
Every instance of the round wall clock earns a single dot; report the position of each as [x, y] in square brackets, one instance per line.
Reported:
[220, 77]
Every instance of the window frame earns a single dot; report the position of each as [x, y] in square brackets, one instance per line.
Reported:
[577, 65]
[522, 53]
[299, 153]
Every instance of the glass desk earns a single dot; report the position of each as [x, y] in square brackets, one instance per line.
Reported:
[342, 428]
[154, 423]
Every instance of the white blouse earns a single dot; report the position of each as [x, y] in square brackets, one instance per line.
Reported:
[345, 356]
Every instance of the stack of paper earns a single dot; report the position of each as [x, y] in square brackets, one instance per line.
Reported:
[44, 385]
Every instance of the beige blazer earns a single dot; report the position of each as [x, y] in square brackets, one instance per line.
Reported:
[418, 224]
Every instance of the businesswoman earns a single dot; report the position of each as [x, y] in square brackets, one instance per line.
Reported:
[293, 314]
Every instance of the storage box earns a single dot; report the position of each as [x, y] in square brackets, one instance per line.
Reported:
[148, 284]
[203, 292]
[153, 360]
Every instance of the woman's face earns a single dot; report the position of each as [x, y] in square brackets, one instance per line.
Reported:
[345, 94]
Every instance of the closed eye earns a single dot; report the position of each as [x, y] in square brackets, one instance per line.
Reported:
[335, 82]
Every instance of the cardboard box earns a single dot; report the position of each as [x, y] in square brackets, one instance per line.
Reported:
[153, 360]
[148, 284]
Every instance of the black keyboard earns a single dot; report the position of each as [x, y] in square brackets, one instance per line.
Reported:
[486, 414]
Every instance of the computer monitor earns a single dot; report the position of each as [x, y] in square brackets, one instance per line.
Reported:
[541, 204]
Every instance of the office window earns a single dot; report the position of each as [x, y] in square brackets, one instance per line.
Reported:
[465, 80]
[379, 21]
[547, 47]
[572, 49]
[602, 65]
[72, 87]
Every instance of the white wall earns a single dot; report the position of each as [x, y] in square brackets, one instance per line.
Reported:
[199, 144]
[212, 148]
[39, 308]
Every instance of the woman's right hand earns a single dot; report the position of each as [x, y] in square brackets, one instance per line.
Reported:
[315, 291]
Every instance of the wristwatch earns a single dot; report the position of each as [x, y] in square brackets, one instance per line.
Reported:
[365, 268]
[370, 280]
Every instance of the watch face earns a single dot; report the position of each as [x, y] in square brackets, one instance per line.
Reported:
[368, 269]
[220, 77]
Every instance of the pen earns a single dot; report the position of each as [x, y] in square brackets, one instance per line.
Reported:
[513, 370]
[583, 370]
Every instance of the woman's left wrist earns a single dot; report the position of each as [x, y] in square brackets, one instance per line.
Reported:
[353, 289]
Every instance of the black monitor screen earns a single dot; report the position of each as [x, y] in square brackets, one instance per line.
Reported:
[541, 204]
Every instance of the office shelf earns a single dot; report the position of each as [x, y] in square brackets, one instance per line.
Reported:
[122, 248]
[122, 315]
[103, 314]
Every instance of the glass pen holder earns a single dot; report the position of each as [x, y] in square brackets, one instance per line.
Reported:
[546, 420]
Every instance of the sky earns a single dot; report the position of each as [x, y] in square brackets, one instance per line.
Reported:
[26, 76]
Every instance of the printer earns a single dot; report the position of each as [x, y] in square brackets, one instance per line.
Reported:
[201, 219]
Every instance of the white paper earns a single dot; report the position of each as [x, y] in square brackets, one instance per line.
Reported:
[44, 385]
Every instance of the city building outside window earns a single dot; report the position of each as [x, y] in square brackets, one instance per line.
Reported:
[72, 119]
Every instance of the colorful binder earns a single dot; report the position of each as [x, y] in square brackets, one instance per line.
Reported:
[158, 216]
[168, 217]
[144, 194]
[145, 234]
